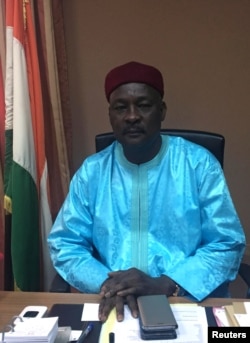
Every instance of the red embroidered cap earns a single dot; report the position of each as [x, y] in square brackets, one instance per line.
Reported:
[133, 72]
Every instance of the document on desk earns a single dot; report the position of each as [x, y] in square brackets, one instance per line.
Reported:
[242, 313]
[191, 319]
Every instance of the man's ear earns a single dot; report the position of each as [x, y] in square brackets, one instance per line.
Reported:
[163, 110]
[110, 119]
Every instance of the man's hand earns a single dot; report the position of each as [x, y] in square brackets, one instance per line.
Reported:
[135, 282]
[107, 304]
[123, 287]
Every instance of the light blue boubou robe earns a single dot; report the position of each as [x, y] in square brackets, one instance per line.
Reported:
[172, 215]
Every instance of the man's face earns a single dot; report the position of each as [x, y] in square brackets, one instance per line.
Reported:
[136, 112]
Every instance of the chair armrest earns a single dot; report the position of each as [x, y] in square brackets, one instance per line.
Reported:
[244, 272]
[59, 285]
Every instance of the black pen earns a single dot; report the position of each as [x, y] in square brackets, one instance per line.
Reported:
[85, 333]
[111, 337]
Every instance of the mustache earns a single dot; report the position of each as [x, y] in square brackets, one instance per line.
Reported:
[133, 128]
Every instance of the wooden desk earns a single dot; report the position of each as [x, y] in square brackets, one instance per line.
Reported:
[12, 303]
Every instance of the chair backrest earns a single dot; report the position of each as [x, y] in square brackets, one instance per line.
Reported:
[213, 142]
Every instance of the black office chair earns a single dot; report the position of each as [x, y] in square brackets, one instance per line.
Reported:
[244, 272]
[214, 142]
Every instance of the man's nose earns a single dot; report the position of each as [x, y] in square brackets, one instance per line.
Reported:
[132, 114]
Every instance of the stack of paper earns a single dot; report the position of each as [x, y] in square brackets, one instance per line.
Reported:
[237, 314]
[42, 330]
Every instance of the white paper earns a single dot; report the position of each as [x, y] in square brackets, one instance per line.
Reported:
[243, 319]
[191, 319]
[221, 316]
[75, 334]
[90, 312]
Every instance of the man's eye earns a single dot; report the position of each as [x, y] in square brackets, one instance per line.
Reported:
[119, 108]
[144, 106]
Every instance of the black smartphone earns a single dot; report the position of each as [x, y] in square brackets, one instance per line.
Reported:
[156, 313]
[157, 335]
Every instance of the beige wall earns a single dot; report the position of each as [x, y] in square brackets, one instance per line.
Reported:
[202, 48]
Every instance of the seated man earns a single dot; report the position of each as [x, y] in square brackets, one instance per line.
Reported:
[150, 214]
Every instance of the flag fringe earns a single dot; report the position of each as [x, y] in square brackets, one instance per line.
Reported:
[7, 204]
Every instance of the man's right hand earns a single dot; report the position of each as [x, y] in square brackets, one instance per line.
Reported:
[117, 302]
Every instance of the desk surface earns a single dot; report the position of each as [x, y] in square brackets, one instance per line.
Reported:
[12, 303]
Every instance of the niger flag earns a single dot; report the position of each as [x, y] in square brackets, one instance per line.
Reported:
[26, 184]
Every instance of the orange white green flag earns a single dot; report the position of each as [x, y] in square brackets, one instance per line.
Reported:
[26, 179]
